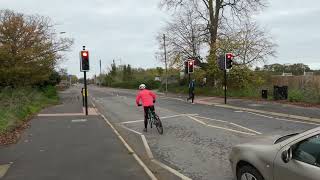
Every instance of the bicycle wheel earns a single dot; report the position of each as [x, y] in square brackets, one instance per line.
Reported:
[158, 124]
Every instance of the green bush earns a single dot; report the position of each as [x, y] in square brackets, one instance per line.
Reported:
[295, 95]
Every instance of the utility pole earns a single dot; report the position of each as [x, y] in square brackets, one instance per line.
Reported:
[165, 60]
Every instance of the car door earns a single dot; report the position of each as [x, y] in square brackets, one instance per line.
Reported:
[305, 162]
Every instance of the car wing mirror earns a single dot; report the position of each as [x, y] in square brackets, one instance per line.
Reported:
[286, 155]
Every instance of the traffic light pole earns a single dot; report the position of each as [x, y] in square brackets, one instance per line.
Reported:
[225, 86]
[85, 92]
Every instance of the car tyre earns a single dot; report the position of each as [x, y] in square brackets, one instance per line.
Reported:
[249, 173]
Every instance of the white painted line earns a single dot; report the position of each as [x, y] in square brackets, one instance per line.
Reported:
[281, 119]
[178, 115]
[3, 169]
[146, 145]
[146, 169]
[173, 171]
[261, 115]
[305, 120]
[166, 117]
[238, 111]
[301, 122]
[234, 124]
[212, 119]
[78, 120]
[129, 122]
[131, 130]
[197, 120]
[218, 127]
[248, 129]
[227, 129]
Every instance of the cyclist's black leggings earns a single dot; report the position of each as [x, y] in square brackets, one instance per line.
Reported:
[146, 114]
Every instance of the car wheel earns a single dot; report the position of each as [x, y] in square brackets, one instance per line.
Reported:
[249, 173]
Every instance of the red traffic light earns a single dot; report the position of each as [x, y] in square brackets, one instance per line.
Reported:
[191, 63]
[84, 54]
[229, 55]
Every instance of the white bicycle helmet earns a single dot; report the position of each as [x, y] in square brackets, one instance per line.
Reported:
[142, 86]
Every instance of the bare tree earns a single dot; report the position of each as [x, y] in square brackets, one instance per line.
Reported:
[184, 37]
[216, 11]
[250, 43]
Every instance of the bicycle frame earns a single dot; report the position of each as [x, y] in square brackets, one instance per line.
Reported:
[151, 117]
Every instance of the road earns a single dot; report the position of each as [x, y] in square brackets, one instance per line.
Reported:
[197, 138]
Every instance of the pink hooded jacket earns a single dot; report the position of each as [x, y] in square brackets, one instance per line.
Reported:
[146, 96]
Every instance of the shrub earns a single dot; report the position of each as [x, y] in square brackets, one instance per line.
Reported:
[295, 96]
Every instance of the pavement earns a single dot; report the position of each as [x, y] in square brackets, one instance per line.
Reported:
[63, 144]
[197, 137]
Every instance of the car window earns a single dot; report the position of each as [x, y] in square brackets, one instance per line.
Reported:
[308, 151]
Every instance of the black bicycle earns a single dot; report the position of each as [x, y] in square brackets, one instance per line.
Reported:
[155, 120]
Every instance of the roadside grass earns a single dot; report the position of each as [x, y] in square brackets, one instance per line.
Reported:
[18, 105]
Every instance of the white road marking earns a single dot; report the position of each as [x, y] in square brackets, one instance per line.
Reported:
[131, 130]
[165, 117]
[212, 119]
[270, 117]
[238, 111]
[218, 127]
[197, 120]
[147, 170]
[150, 155]
[234, 124]
[248, 129]
[79, 120]
[146, 145]
[281, 119]
[232, 130]
[301, 122]
[173, 171]
[129, 122]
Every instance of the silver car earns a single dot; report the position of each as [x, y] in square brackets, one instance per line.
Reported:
[290, 157]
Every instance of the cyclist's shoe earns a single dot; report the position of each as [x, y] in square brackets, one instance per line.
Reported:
[145, 130]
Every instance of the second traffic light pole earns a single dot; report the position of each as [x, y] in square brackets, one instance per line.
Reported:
[85, 92]
[85, 87]
[225, 86]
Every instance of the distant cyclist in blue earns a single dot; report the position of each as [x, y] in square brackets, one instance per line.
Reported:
[191, 91]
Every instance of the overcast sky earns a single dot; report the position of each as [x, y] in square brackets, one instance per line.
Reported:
[126, 29]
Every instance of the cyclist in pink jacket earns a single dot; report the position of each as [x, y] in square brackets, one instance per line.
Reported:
[148, 98]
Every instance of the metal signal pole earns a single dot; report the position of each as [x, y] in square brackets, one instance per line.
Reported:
[85, 88]
[165, 60]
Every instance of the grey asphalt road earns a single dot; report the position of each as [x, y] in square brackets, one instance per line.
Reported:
[63, 145]
[197, 139]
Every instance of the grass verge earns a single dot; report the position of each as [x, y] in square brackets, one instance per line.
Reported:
[18, 105]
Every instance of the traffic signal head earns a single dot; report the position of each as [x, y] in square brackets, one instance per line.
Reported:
[229, 60]
[84, 58]
[190, 66]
